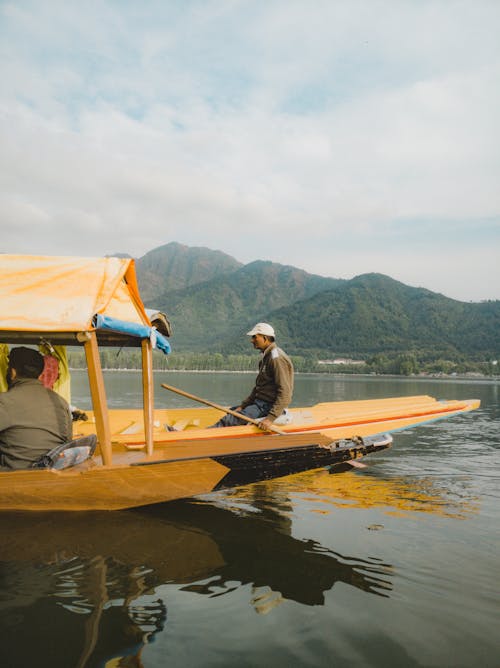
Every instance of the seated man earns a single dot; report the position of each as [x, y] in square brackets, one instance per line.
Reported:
[33, 419]
[273, 388]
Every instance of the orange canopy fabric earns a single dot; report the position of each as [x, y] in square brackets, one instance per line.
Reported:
[62, 294]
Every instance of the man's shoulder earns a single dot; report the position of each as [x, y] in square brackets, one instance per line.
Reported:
[31, 387]
[55, 396]
[277, 353]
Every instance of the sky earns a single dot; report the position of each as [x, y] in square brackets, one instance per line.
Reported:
[338, 136]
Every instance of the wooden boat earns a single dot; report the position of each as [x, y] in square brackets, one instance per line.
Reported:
[95, 302]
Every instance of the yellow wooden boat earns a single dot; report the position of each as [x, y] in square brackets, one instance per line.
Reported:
[94, 302]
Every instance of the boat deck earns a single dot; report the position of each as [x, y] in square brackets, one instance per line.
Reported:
[320, 425]
[197, 460]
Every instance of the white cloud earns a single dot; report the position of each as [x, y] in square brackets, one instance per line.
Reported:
[324, 139]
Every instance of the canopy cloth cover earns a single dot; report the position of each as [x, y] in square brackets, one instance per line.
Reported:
[63, 294]
[50, 296]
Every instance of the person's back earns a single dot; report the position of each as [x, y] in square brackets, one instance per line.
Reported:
[33, 419]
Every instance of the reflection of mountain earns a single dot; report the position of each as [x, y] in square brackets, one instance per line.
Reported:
[79, 588]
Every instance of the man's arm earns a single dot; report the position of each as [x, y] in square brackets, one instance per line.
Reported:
[69, 424]
[283, 378]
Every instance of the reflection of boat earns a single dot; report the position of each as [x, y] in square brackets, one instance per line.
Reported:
[186, 543]
[76, 612]
[98, 581]
[396, 495]
[95, 302]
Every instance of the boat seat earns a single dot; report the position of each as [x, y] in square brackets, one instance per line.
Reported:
[180, 425]
[133, 428]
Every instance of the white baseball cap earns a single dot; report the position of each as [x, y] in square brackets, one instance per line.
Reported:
[262, 328]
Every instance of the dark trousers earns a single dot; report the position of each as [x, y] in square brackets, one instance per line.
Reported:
[256, 410]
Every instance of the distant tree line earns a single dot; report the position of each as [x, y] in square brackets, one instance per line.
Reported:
[404, 364]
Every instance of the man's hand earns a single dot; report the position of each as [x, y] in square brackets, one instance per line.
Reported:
[266, 424]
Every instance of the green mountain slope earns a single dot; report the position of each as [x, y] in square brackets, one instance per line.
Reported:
[373, 313]
[175, 266]
[209, 314]
[212, 300]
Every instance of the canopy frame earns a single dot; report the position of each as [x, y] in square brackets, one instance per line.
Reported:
[74, 292]
[91, 344]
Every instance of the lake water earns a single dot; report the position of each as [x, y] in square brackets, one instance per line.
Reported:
[395, 565]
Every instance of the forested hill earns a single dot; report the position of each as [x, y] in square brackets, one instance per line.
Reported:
[175, 266]
[212, 300]
[373, 313]
[208, 315]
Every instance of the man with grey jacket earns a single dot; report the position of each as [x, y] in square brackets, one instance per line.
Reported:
[33, 419]
[273, 388]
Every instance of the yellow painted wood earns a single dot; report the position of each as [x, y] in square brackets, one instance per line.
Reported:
[343, 419]
[98, 395]
[182, 465]
[147, 393]
[107, 488]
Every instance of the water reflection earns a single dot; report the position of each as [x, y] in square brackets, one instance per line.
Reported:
[79, 589]
[396, 495]
[93, 590]
[258, 549]
[82, 586]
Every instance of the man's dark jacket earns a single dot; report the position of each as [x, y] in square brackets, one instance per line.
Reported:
[33, 420]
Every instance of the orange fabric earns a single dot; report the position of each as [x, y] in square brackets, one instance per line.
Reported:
[61, 383]
[50, 293]
[50, 371]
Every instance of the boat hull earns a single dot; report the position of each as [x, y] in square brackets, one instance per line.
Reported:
[197, 460]
[150, 482]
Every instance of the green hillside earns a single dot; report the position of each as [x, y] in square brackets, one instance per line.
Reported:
[373, 314]
[209, 314]
[175, 266]
[212, 300]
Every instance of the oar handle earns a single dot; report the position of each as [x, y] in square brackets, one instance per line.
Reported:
[240, 416]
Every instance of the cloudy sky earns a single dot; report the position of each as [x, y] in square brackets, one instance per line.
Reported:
[339, 136]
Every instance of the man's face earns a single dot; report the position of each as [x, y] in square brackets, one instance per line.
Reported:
[260, 342]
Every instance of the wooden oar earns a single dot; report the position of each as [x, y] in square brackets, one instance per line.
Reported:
[240, 416]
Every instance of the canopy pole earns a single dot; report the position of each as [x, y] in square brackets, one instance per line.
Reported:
[148, 393]
[98, 394]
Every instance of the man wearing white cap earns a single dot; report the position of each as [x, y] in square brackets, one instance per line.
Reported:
[273, 388]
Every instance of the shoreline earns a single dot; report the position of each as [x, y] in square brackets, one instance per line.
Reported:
[443, 377]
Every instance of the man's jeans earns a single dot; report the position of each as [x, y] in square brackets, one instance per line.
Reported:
[256, 410]
[72, 457]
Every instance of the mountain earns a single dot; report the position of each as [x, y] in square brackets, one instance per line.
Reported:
[373, 313]
[212, 300]
[206, 315]
[175, 266]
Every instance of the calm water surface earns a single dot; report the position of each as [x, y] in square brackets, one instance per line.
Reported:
[390, 566]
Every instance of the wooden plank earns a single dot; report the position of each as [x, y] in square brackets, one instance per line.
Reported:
[108, 488]
[339, 420]
[147, 393]
[98, 395]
